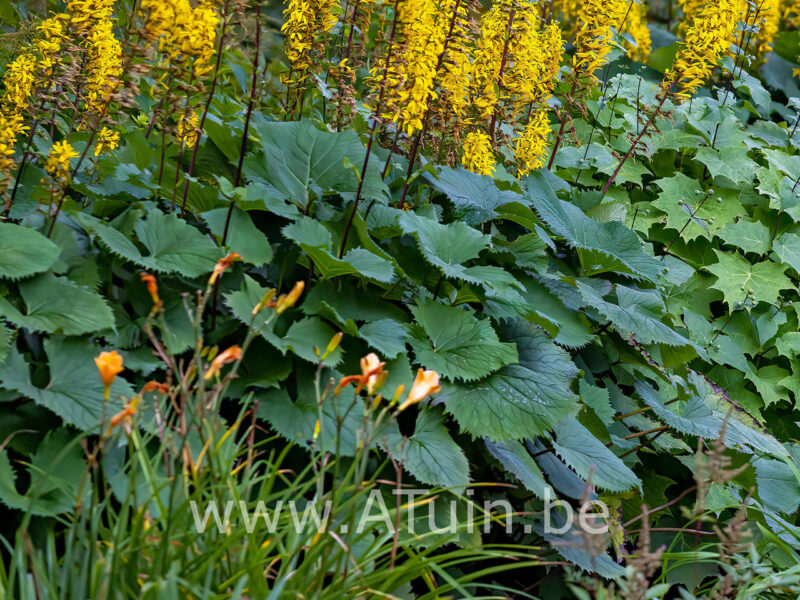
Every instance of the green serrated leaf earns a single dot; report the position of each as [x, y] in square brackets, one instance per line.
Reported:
[446, 247]
[244, 238]
[638, 313]
[456, 344]
[57, 305]
[430, 454]
[602, 246]
[74, 391]
[518, 461]
[474, 196]
[590, 458]
[24, 251]
[172, 245]
[521, 400]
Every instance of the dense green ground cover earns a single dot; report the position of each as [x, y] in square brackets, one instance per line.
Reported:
[619, 327]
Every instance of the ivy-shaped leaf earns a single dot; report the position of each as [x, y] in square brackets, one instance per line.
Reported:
[736, 278]
[57, 305]
[24, 251]
[454, 343]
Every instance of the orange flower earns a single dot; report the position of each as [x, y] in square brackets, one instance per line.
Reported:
[289, 300]
[230, 355]
[372, 375]
[222, 264]
[155, 386]
[372, 372]
[425, 384]
[110, 365]
[152, 287]
[124, 415]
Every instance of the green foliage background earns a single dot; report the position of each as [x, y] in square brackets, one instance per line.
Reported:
[580, 337]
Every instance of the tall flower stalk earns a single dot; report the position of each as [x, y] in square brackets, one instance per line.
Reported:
[706, 42]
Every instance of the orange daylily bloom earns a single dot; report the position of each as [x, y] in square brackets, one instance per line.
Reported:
[372, 371]
[230, 355]
[155, 386]
[110, 365]
[425, 384]
[372, 375]
[222, 264]
[124, 415]
[152, 287]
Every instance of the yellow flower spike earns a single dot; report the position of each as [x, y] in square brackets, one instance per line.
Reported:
[109, 364]
[57, 164]
[316, 430]
[107, 140]
[478, 155]
[376, 402]
[425, 384]
[530, 147]
[706, 42]
[286, 302]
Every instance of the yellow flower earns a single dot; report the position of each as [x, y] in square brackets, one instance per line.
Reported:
[110, 365]
[530, 147]
[595, 36]
[425, 384]
[478, 155]
[706, 42]
[104, 68]
[767, 21]
[57, 164]
[488, 56]
[188, 129]
[50, 35]
[305, 20]
[230, 355]
[11, 125]
[18, 82]
[107, 140]
[411, 78]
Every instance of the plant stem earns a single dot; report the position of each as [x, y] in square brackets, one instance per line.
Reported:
[372, 131]
[207, 106]
[253, 90]
[635, 143]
